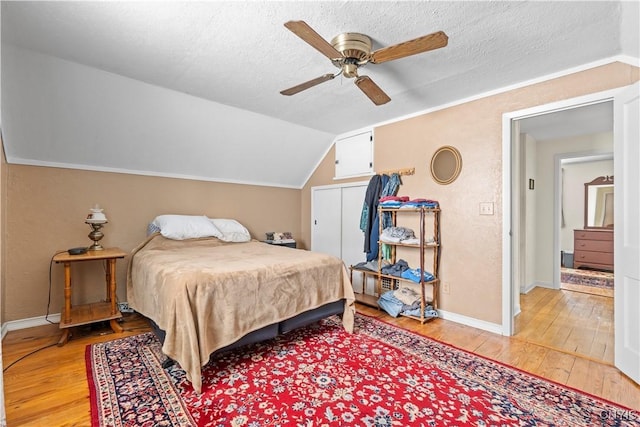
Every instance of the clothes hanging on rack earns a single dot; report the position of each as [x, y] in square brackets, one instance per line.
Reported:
[369, 217]
[369, 209]
[390, 186]
[390, 189]
[380, 186]
[375, 227]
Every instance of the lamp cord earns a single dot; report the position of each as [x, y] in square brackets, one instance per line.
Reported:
[46, 317]
[27, 355]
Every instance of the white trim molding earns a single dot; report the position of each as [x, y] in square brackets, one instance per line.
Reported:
[14, 325]
[470, 321]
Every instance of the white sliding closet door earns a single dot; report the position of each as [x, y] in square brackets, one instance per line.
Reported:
[326, 220]
[335, 221]
[352, 237]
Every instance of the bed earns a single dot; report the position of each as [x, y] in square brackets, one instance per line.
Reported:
[206, 295]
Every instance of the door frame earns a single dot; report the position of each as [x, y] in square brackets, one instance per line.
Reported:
[511, 218]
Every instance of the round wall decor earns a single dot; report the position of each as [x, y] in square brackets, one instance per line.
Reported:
[446, 164]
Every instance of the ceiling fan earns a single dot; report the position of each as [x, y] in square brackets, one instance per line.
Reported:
[350, 51]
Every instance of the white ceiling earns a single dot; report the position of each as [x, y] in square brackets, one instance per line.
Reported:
[239, 54]
[586, 120]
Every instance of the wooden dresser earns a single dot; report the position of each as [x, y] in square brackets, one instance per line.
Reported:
[593, 249]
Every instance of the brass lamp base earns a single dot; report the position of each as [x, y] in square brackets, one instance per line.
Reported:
[96, 235]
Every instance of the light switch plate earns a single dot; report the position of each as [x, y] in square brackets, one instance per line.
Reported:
[486, 208]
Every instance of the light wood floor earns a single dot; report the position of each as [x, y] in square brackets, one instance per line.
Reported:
[568, 321]
[50, 387]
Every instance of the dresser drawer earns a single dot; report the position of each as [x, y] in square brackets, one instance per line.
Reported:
[593, 245]
[593, 235]
[587, 257]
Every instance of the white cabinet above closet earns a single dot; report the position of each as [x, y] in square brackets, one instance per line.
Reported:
[354, 155]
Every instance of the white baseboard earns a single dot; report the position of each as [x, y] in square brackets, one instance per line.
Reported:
[516, 309]
[470, 321]
[526, 289]
[529, 287]
[545, 285]
[14, 325]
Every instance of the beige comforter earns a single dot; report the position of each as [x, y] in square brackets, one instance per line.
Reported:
[206, 294]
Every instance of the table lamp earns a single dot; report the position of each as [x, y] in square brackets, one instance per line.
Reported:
[96, 219]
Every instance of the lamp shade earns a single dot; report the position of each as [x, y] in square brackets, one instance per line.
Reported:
[96, 216]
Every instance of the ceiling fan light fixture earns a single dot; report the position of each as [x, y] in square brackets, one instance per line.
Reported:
[352, 45]
[350, 69]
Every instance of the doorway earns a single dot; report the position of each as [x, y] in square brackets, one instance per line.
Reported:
[550, 143]
[521, 181]
[626, 232]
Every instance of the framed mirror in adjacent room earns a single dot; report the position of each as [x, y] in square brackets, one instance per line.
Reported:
[598, 203]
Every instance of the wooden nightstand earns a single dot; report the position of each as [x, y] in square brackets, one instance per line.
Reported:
[97, 311]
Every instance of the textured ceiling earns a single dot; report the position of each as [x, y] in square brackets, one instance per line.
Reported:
[239, 53]
[590, 119]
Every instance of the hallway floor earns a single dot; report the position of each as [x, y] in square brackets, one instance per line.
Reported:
[567, 321]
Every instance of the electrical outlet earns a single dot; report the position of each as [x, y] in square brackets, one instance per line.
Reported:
[124, 307]
[486, 208]
[445, 288]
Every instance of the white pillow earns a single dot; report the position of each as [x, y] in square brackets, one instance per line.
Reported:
[232, 230]
[181, 227]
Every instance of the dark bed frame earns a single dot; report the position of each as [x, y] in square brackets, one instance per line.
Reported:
[269, 331]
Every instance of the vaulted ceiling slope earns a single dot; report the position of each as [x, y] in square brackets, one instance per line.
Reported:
[191, 89]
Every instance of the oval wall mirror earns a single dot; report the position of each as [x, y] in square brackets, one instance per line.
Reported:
[446, 164]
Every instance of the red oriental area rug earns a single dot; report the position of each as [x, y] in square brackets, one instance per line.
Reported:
[320, 375]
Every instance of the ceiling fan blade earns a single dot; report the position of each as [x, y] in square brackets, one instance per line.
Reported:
[411, 47]
[306, 33]
[307, 85]
[372, 90]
